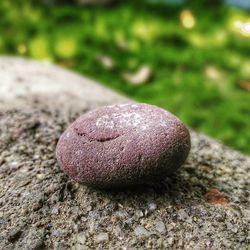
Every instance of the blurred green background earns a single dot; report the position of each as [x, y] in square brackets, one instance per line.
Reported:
[190, 57]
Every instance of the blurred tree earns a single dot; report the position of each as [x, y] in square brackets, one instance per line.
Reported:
[80, 2]
[167, 2]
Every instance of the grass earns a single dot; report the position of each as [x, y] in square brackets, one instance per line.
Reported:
[194, 71]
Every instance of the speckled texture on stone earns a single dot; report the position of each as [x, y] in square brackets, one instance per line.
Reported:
[123, 145]
[40, 208]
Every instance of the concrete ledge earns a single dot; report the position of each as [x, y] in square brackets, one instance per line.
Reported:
[205, 205]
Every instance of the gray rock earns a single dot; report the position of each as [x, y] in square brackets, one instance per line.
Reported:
[160, 227]
[122, 145]
[31, 123]
[141, 232]
[80, 240]
[101, 237]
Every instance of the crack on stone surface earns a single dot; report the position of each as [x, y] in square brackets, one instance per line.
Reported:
[91, 139]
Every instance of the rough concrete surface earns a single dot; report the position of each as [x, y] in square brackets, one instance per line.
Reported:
[205, 205]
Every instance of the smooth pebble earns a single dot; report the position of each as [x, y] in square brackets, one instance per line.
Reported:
[123, 145]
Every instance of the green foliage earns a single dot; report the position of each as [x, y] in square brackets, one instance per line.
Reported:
[194, 71]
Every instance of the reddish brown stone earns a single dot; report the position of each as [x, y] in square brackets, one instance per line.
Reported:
[123, 145]
[214, 196]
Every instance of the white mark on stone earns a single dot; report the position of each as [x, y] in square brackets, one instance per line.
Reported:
[124, 120]
[131, 119]
[123, 105]
[105, 122]
[79, 152]
[144, 127]
[134, 106]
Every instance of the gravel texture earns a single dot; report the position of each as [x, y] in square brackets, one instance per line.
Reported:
[123, 145]
[205, 205]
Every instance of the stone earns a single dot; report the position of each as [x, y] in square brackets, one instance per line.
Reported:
[191, 221]
[160, 227]
[101, 237]
[152, 206]
[121, 145]
[140, 231]
[81, 238]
